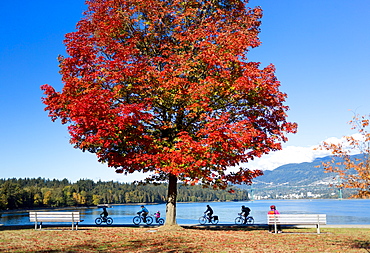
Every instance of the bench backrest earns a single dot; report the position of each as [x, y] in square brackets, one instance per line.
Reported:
[297, 219]
[55, 216]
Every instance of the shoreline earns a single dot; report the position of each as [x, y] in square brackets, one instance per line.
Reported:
[45, 209]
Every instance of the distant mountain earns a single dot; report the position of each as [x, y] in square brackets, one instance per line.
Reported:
[298, 180]
[297, 174]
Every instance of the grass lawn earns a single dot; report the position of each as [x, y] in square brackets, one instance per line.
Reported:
[128, 239]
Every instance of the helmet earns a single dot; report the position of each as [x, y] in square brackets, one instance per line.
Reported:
[142, 206]
[272, 207]
[158, 211]
[243, 206]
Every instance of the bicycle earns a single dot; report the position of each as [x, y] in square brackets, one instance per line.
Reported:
[213, 219]
[244, 220]
[138, 219]
[101, 219]
[160, 221]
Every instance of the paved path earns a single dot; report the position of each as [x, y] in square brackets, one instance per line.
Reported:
[198, 226]
[345, 226]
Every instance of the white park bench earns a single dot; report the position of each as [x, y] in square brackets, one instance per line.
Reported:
[297, 219]
[40, 217]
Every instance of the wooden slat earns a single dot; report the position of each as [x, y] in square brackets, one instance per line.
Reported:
[55, 219]
[39, 217]
[55, 216]
[297, 219]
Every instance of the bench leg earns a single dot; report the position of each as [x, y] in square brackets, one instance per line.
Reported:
[318, 228]
[74, 226]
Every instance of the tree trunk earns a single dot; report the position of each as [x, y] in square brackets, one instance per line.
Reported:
[171, 201]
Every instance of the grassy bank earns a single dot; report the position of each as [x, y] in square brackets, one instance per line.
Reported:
[123, 239]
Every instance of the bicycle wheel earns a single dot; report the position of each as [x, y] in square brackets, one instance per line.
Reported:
[214, 221]
[136, 220]
[239, 221]
[202, 220]
[109, 221]
[98, 221]
[250, 220]
[160, 221]
[149, 220]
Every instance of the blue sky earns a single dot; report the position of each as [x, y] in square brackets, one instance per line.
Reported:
[320, 49]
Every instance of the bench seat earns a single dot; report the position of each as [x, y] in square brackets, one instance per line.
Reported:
[40, 217]
[297, 219]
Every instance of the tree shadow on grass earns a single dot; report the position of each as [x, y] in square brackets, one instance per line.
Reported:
[361, 244]
[137, 245]
[228, 228]
[285, 229]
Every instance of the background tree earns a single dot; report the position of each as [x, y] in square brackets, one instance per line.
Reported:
[354, 172]
[164, 86]
[30, 193]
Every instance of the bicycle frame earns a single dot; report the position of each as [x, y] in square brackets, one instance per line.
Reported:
[139, 218]
[210, 219]
[244, 220]
[159, 220]
[108, 220]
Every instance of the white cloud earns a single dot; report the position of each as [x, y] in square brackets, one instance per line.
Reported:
[345, 144]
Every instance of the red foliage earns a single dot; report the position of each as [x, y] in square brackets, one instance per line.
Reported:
[165, 87]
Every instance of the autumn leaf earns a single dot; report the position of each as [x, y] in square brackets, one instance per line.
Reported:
[353, 172]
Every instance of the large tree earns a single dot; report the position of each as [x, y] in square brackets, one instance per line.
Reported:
[354, 171]
[165, 86]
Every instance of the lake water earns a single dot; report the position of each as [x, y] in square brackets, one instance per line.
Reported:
[347, 211]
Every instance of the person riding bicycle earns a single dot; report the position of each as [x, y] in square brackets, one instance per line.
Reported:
[157, 215]
[104, 214]
[209, 212]
[144, 212]
[245, 212]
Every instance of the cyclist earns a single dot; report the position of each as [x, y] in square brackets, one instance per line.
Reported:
[245, 212]
[209, 212]
[144, 212]
[157, 215]
[104, 214]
